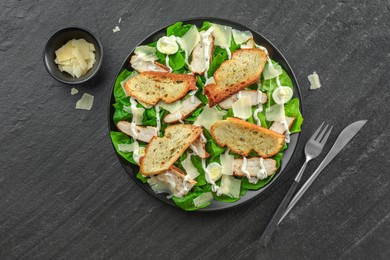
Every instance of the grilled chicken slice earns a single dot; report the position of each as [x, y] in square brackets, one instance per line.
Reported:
[144, 134]
[202, 54]
[172, 181]
[254, 94]
[279, 128]
[199, 147]
[253, 167]
[141, 65]
[189, 105]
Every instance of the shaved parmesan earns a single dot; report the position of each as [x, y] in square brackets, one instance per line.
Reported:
[85, 102]
[74, 91]
[163, 183]
[209, 116]
[128, 148]
[190, 169]
[190, 39]
[275, 113]
[76, 57]
[230, 186]
[222, 35]
[270, 71]
[172, 107]
[242, 108]
[146, 53]
[241, 36]
[314, 80]
[203, 200]
[227, 163]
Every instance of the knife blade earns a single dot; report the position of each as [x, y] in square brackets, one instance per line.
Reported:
[342, 140]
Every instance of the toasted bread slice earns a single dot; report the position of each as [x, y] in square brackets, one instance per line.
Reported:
[235, 74]
[172, 181]
[279, 128]
[162, 152]
[150, 87]
[253, 167]
[141, 133]
[242, 137]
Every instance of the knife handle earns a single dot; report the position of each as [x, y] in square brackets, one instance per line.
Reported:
[270, 229]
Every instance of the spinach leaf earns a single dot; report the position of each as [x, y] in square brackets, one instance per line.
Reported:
[211, 145]
[219, 56]
[199, 94]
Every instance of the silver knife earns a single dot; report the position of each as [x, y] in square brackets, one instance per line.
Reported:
[345, 136]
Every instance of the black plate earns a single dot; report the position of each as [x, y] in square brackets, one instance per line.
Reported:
[274, 53]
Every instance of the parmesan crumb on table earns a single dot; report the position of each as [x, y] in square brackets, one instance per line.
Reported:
[314, 81]
[116, 29]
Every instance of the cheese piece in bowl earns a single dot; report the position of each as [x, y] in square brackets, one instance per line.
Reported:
[76, 57]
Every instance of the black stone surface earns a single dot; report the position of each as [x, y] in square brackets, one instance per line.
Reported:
[64, 194]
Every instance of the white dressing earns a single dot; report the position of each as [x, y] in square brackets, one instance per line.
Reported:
[158, 119]
[206, 48]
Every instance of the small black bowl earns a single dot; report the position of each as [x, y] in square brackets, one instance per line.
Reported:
[57, 40]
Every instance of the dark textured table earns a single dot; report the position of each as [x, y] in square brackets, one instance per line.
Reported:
[64, 194]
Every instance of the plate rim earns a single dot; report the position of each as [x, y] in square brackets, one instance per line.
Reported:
[226, 205]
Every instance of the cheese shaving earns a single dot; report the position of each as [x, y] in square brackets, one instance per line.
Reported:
[314, 81]
[85, 102]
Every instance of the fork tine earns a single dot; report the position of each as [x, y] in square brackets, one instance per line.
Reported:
[318, 139]
[323, 141]
[316, 132]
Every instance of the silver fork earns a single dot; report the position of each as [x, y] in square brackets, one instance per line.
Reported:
[313, 148]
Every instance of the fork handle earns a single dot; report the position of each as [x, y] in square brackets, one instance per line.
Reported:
[267, 234]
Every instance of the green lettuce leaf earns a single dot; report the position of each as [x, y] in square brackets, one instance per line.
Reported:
[250, 186]
[178, 29]
[118, 90]
[291, 109]
[197, 162]
[187, 202]
[120, 138]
